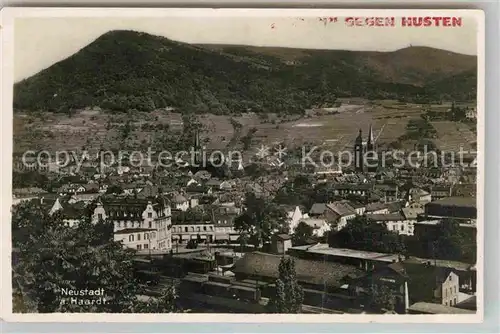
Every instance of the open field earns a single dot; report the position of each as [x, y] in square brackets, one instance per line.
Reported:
[93, 129]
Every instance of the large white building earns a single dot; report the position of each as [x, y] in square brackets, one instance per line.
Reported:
[138, 223]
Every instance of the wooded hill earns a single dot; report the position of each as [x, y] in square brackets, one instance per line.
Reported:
[126, 70]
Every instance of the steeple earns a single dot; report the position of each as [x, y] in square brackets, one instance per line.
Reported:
[196, 139]
[359, 138]
[370, 142]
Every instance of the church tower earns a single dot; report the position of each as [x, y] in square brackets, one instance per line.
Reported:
[358, 152]
[371, 152]
[197, 148]
[370, 145]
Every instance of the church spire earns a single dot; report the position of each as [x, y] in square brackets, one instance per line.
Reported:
[370, 142]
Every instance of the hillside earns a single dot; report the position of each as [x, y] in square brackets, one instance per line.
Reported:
[126, 70]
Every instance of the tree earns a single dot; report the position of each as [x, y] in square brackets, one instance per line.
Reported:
[381, 297]
[260, 220]
[301, 234]
[365, 234]
[288, 294]
[164, 303]
[51, 257]
[114, 189]
[447, 242]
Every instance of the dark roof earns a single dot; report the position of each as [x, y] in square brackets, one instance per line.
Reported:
[455, 201]
[75, 211]
[283, 236]
[376, 206]
[91, 188]
[350, 186]
[308, 271]
[398, 267]
[395, 206]
[28, 191]
[213, 182]
[386, 217]
[468, 304]
[317, 209]
[341, 208]
[134, 230]
[129, 208]
[179, 199]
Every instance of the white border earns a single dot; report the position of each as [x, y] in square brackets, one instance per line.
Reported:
[7, 18]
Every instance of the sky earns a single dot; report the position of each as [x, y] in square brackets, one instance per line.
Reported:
[41, 42]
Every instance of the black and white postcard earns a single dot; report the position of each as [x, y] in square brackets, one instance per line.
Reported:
[235, 165]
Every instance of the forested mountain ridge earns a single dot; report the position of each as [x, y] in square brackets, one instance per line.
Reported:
[126, 70]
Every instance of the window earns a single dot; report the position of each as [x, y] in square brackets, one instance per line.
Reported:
[146, 236]
[402, 227]
[446, 303]
[99, 216]
[139, 247]
[449, 278]
[185, 229]
[131, 238]
[455, 289]
[445, 292]
[138, 237]
[150, 215]
[153, 235]
[192, 228]
[145, 246]
[150, 224]
[204, 228]
[454, 301]
[198, 229]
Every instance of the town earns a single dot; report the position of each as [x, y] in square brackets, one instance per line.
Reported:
[359, 238]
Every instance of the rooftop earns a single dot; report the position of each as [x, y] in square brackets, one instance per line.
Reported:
[456, 201]
[308, 271]
[365, 255]
[345, 252]
[134, 230]
[437, 309]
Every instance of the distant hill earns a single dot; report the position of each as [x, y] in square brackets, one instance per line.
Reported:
[126, 70]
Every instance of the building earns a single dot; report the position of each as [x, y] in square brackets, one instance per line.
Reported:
[26, 194]
[211, 227]
[376, 208]
[339, 213]
[280, 243]
[139, 215]
[441, 191]
[430, 227]
[390, 191]
[319, 226]
[180, 202]
[391, 276]
[394, 222]
[365, 155]
[447, 290]
[359, 152]
[418, 195]
[463, 208]
[294, 215]
[137, 238]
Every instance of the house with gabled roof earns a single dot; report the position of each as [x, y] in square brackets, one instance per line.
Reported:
[137, 213]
